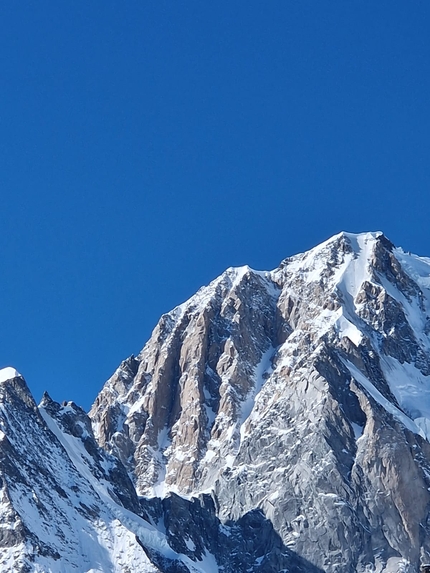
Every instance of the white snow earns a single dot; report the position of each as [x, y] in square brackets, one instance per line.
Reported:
[358, 430]
[8, 373]
[346, 279]
[348, 329]
[159, 488]
[190, 544]
[349, 275]
[261, 372]
[357, 271]
[209, 563]
[411, 389]
[221, 453]
[418, 268]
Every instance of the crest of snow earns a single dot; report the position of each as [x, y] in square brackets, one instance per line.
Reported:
[356, 239]
[231, 278]
[8, 374]
[272, 288]
[346, 278]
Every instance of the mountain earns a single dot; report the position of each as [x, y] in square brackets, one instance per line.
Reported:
[276, 421]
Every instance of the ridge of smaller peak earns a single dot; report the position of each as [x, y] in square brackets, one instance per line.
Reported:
[46, 400]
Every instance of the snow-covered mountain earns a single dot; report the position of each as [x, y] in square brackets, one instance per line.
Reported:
[276, 421]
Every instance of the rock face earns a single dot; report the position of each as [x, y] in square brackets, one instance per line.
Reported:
[277, 421]
[62, 498]
[66, 505]
[302, 393]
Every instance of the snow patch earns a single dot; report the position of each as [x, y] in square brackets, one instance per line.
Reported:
[346, 328]
[190, 544]
[261, 372]
[358, 430]
[209, 563]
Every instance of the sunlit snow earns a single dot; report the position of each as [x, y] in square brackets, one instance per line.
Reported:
[8, 373]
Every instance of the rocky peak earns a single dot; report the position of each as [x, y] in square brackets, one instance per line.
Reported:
[280, 390]
[14, 390]
[178, 390]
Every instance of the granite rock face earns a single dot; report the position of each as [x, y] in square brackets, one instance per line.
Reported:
[301, 393]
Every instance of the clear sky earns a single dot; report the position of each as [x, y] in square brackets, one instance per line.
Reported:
[148, 145]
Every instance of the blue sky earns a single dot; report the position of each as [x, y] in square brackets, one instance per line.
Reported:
[148, 145]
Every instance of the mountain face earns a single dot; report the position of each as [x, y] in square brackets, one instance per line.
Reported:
[276, 421]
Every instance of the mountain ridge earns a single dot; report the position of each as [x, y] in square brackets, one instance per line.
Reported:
[294, 403]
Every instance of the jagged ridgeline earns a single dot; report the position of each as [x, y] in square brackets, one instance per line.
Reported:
[275, 422]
